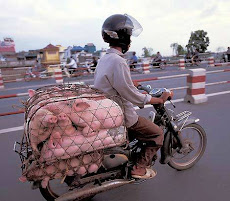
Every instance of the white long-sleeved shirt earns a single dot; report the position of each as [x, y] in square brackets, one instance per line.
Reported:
[72, 64]
[113, 77]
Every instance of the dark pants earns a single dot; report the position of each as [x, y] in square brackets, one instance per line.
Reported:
[133, 65]
[228, 57]
[147, 131]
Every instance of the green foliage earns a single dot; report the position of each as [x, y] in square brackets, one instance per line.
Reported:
[147, 52]
[180, 50]
[177, 49]
[174, 47]
[198, 40]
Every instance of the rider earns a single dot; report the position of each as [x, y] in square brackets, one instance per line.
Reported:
[157, 59]
[133, 60]
[113, 77]
[195, 57]
[72, 65]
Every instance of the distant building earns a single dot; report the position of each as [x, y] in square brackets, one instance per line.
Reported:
[61, 53]
[77, 49]
[90, 48]
[50, 55]
[100, 53]
[7, 46]
[67, 53]
[32, 55]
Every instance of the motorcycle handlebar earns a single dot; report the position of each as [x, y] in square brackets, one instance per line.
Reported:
[157, 94]
[145, 88]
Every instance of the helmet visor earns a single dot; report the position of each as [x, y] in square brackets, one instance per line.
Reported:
[134, 26]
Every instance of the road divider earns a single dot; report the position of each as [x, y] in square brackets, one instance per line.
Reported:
[14, 95]
[1, 80]
[20, 128]
[11, 113]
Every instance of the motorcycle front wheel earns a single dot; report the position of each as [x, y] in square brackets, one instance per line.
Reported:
[195, 141]
[55, 189]
[27, 78]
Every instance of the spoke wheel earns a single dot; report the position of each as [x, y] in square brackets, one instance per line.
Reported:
[27, 78]
[162, 66]
[195, 141]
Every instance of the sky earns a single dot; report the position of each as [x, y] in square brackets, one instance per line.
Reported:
[33, 24]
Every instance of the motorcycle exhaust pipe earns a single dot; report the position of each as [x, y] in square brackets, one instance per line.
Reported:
[79, 194]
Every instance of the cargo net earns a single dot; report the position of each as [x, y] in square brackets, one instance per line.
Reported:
[66, 129]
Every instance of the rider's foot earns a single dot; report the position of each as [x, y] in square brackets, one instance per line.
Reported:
[143, 173]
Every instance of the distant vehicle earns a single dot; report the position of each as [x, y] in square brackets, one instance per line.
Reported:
[2, 59]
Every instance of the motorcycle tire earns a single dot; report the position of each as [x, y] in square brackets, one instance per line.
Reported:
[186, 132]
[50, 193]
[27, 78]
[162, 66]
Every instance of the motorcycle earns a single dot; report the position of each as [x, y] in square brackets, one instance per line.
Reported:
[30, 75]
[159, 64]
[184, 144]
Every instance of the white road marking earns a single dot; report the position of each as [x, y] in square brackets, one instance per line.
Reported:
[8, 130]
[19, 128]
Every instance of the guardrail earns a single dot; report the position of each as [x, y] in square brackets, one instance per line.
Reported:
[143, 67]
[195, 86]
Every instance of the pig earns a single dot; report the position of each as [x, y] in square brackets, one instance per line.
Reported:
[64, 126]
[60, 147]
[80, 165]
[94, 115]
[40, 127]
[90, 115]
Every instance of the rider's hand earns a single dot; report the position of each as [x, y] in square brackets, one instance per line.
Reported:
[171, 95]
[166, 95]
[136, 83]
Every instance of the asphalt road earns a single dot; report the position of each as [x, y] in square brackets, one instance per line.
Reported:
[208, 180]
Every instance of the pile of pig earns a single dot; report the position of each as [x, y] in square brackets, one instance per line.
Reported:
[67, 127]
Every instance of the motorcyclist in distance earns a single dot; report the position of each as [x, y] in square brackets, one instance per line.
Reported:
[113, 77]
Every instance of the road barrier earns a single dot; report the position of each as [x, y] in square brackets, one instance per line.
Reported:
[211, 62]
[1, 80]
[196, 86]
[145, 67]
[142, 67]
[182, 64]
[58, 75]
[222, 64]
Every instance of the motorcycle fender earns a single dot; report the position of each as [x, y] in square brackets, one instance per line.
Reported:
[190, 120]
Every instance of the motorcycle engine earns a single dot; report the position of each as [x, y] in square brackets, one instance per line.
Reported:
[114, 160]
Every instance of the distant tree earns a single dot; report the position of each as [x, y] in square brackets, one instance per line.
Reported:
[220, 49]
[198, 40]
[180, 50]
[177, 49]
[174, 46]
[147, 52]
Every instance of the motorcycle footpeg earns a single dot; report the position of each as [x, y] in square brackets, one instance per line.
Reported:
[165, 160]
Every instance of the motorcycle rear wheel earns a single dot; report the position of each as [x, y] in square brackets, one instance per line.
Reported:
[55, 189]
[162, 66]
[27, 78]
[183, 161]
